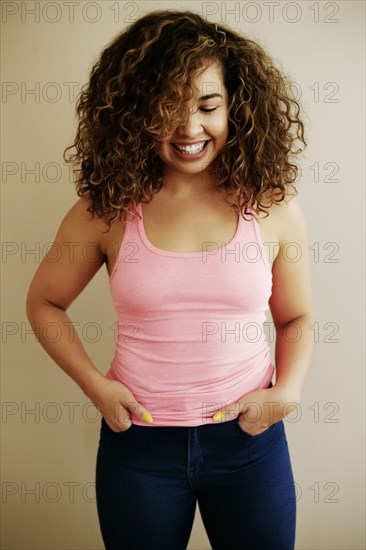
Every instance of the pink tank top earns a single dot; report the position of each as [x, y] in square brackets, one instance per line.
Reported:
[190, 324]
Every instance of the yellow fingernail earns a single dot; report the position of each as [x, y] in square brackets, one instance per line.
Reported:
[147, 417]
[218, 416]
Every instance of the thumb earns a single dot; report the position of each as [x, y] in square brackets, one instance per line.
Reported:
[137, 409]
[229, 413]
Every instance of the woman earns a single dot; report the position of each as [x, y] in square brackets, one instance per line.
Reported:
[185, 144]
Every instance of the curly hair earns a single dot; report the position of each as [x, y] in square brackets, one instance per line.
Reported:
[134, 97]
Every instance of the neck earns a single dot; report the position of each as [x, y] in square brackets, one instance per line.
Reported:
[185, 186]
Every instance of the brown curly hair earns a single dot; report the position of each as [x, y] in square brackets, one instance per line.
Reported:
[135, 95]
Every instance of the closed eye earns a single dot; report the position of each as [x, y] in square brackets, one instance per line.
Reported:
[207, 110]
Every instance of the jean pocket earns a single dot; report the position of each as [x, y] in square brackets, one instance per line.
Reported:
[251, 436]
[108, 429]
[248, 435]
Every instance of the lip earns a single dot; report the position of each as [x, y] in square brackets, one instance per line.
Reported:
[187, 156]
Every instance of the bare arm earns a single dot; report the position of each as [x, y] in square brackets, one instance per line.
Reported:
[291, 303]
[55, 285]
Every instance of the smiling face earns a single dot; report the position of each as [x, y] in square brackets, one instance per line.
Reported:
[195, 143]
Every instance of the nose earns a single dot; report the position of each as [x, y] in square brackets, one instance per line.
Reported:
[191, 126]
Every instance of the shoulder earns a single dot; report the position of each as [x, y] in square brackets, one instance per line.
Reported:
[287, 217]
[80, 211]
[291, 221]
[94, 228]
[79, 218]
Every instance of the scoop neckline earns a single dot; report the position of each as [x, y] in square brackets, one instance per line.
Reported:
[163, 252]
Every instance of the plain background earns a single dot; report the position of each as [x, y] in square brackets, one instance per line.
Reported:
[49, 430]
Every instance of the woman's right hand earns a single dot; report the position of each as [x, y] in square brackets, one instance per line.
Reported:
[115, 402]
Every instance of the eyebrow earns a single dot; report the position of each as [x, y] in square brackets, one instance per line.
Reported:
[210, 96]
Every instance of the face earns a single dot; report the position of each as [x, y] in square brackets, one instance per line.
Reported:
[194, 144]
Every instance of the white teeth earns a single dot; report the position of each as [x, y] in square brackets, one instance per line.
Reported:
[190, 149]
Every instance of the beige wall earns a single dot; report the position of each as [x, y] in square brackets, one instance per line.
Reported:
[49, 432]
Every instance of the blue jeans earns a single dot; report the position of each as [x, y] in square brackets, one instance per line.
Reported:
[148, 481]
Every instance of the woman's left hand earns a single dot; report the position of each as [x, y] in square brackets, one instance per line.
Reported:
[260, 409]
